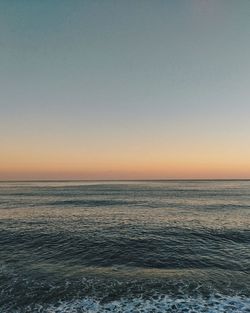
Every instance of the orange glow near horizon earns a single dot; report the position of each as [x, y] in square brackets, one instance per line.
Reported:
[92, 90]
[123, 164]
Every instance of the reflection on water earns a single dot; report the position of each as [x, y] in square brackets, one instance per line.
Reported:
[87, 243]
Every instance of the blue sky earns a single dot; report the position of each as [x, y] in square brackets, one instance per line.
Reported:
[101, 78]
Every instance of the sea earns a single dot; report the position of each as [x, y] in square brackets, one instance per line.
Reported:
[125, 246]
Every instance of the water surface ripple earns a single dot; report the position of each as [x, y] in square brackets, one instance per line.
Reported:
[166, 246]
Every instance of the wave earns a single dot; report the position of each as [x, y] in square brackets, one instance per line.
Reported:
[91, 203]
[158, 304]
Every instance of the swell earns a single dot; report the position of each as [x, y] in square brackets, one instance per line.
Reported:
[92, 203]
[155, 248]
[24, 294]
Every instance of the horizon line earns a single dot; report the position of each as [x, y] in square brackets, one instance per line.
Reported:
[125, 180]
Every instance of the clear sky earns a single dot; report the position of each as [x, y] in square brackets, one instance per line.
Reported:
[124, 89]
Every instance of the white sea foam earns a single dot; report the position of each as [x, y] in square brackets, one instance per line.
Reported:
[214, 304]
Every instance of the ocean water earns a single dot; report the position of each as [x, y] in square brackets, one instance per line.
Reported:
[163, 246]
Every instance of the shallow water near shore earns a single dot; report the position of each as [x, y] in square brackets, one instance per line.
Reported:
[161, 246]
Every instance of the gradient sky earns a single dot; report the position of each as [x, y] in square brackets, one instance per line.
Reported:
[124, 89]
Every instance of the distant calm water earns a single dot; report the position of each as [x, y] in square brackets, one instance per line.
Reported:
[173, 246]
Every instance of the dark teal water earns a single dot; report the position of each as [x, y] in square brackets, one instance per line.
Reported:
[171, 246]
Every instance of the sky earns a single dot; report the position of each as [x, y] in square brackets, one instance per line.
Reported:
[124, 89]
